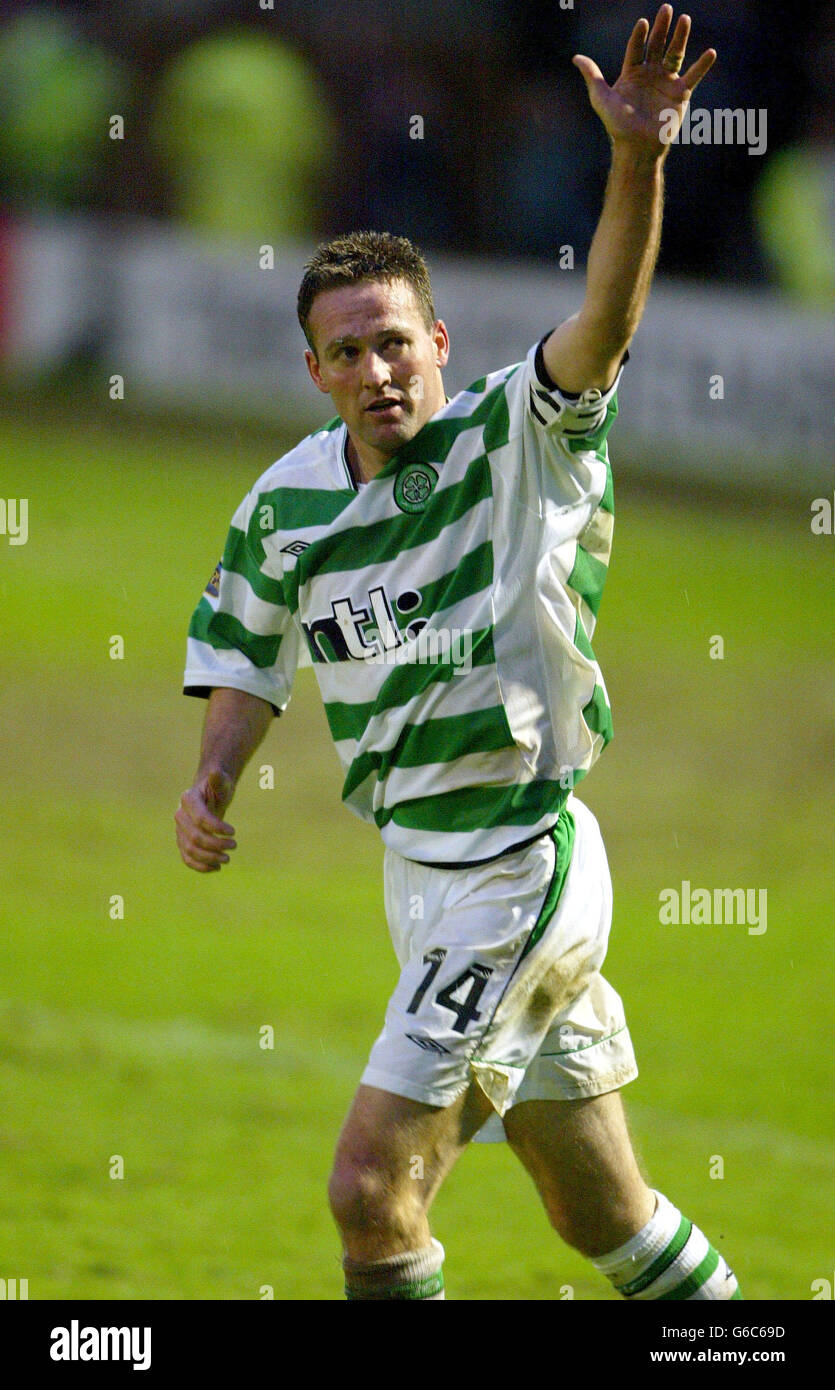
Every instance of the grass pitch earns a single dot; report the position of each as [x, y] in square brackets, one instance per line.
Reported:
[138, 1038]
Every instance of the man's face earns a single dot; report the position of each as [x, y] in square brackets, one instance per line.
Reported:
[378, 362]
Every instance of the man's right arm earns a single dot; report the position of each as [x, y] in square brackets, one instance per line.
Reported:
[235, 725]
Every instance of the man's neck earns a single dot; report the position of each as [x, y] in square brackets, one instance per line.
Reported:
[363, 469]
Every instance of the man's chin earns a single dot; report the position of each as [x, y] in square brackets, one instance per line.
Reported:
[390, 433]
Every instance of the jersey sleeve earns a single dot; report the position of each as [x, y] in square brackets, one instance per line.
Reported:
[241, 635]
[586, 417]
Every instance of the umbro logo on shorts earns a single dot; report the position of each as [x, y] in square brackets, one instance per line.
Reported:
[428, 1044]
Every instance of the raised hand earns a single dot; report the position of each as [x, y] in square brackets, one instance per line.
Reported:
[650, 83]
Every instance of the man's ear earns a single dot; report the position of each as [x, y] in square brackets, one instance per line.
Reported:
[314, 369]
[440, 338]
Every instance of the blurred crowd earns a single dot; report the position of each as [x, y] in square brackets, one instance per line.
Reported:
[461, 123]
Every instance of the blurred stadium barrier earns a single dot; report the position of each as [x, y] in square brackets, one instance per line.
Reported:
[728, 387]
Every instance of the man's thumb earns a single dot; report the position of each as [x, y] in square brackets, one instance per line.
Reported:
[590, 71]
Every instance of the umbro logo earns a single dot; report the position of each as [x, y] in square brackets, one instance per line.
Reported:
[428, 1044]
[213, 586]
[295, 547]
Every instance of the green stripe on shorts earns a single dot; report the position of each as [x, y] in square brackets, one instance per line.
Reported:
[563, 837]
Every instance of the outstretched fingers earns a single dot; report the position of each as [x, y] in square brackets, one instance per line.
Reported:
[674, 57]
[694, 74]
[648, 45]
[635, 48]
[658, 34]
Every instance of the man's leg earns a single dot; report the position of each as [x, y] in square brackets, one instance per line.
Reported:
[580, 1156]
[391, 1158]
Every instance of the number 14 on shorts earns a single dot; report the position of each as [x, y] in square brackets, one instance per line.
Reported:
[471, 981]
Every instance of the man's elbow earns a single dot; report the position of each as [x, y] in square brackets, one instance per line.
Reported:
[586, 359]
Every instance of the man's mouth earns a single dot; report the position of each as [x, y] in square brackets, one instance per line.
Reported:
[390, 403]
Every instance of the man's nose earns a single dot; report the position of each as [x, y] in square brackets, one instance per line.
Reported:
[375, 370]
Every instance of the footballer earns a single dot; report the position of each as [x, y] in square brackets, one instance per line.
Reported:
[441, 563]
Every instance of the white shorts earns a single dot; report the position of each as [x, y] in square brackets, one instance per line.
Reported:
[501, 977]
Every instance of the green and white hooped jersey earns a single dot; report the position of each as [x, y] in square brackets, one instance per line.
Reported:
[447, 607]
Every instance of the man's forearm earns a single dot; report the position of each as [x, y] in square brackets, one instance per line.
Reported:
[624, 251]
[235, 725]
[587, 349]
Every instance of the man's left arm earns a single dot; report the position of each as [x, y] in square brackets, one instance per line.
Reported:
[641, 114]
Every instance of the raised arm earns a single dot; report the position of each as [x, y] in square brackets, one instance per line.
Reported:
[235, 725]
[642, 113]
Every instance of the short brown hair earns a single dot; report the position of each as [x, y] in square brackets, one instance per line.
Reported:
[362, 256]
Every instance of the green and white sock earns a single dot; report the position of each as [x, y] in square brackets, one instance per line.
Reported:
[669, 1259]
[416, 1274]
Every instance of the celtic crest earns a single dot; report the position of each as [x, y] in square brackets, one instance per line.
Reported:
[414, 487]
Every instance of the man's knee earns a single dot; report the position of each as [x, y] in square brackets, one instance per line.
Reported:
[364, 1196]
[392, 1156]
[597, 1222]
